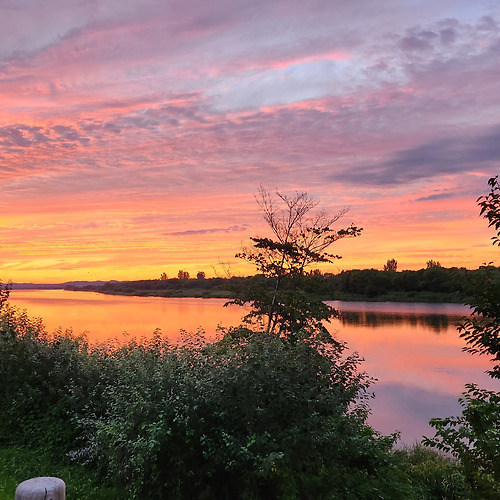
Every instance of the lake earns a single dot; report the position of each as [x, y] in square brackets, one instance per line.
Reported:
[412, 349]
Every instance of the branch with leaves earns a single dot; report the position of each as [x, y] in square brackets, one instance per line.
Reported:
[299, 239]
[490, 208]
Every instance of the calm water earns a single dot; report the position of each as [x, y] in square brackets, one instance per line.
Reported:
[412, 349]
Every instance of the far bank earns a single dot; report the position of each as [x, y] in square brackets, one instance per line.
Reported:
[432, 285]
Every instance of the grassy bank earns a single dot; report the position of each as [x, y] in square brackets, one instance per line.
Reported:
[176, 292]
[422, 297]
[18, 465]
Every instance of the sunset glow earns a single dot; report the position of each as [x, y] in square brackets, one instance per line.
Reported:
[134, 135]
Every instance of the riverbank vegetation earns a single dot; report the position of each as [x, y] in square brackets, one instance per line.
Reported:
[251, 416]
[433, 284]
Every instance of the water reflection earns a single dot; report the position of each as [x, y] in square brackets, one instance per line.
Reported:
[437, 322]
[104, 317]
[415, 352]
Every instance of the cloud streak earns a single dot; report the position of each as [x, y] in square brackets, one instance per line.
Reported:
[197, 232]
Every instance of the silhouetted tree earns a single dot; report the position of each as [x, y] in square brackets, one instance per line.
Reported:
[300, 239]
[391, 265]
[316, 272]
[163, 277]
[200, 275]
[4, 293]
[432, 263]
[183, 275]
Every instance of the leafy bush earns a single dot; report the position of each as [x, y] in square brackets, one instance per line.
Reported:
[474, 438]
[252, 416]
[46, 381]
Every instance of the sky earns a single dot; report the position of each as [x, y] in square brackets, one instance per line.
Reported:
[134, 134]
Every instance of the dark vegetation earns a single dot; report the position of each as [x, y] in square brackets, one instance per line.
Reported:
[275, 409]
[433, 284]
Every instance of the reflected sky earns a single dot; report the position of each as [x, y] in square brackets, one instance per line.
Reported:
[104, 317]
[414, 350]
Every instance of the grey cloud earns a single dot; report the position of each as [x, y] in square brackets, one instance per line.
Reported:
[447, 35]
[171, 111]
[433, 159]
[24, 136]
[70, 134]
[21, 136]
[438, 196]
[230, 229]
[419, 41]
[488, 23]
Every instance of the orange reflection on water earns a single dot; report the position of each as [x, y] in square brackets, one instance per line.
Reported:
[106, 317]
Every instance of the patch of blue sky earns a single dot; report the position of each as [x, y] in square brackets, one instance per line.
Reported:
[296, 83]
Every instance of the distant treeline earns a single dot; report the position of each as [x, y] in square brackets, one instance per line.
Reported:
[434, 284]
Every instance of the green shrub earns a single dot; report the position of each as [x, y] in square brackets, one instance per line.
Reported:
[252, 416]
[46, 382]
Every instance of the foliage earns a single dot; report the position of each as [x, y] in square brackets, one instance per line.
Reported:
[449, 283]
[481, 330]
[251, 416]
[38, 394]
[474, 437]
[490, 207]
[391, 265]
[432, 475]
[182, 275]
[436, 284]
[301, 239]
[4, 293]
